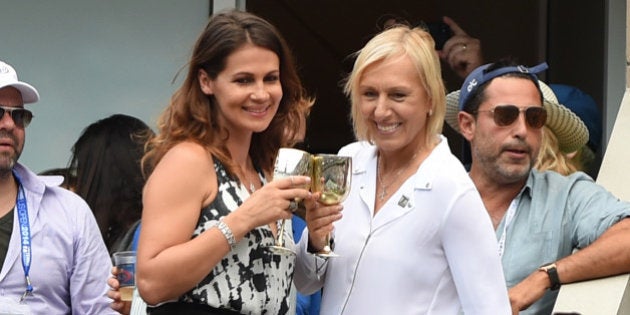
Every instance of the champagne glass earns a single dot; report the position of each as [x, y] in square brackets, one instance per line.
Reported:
[331, 177]
[289, 162]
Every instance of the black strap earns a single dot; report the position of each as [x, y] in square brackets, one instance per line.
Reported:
[555, 280]
[552, 272]
[174, 308]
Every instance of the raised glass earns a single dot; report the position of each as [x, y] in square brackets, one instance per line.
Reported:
[332, 175]
[289, 162]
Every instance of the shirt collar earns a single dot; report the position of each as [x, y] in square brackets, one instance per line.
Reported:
[426, 175]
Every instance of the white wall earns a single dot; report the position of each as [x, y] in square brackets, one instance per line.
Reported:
[615, 84]
[93, 58]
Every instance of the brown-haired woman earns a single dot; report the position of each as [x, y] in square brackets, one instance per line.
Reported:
[209, 214]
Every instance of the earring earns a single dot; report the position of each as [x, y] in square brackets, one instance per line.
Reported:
[430, 112]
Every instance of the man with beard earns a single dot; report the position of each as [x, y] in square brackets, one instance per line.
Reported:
[53, 258]
[540, 218]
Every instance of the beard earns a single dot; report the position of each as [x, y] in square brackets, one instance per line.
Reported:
[502, 169]
[9, 159]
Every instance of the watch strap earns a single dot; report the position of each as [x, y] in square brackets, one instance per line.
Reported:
[552, 272]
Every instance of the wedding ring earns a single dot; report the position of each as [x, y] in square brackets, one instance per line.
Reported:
[293, 206]
[292, 183]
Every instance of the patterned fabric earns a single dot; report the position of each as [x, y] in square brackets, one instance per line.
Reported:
[250, 279]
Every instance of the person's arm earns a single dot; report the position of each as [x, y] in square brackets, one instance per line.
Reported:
[310, 269]
[172, 200]
[471, 249]
[182, 183]
[462, 52]
[608, 255]
[91, 265]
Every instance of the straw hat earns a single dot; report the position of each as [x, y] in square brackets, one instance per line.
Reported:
[570, 130]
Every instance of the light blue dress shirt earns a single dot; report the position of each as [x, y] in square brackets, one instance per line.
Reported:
[555, 216]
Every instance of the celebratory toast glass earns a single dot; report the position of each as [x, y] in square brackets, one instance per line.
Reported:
[331, 177]
[290, 162]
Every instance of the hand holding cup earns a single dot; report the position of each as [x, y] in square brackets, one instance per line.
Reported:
[125, 262]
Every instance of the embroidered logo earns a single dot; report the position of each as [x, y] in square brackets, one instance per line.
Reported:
[471, 85]
[522, 69]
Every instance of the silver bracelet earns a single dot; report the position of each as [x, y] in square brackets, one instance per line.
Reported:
[227, 232]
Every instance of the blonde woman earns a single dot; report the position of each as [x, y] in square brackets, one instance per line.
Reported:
[555, 155]
[415, 237]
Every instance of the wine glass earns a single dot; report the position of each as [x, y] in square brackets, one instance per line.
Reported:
[331, 177]
[289, 162]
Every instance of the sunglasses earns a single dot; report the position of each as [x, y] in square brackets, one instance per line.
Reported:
[505, 115]
[21, 117]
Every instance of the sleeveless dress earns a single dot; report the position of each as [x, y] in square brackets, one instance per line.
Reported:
[250, 279]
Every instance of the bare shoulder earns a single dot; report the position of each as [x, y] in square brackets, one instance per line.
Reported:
[187, 157]
[189, 152]
[181, 182]
[187, 168]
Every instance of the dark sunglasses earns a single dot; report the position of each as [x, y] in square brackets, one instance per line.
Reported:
[505, 115]
[21, 117]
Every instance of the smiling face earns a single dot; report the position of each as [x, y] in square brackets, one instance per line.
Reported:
[11, 136]
[394, 104]
[504, 153]
[247, 92]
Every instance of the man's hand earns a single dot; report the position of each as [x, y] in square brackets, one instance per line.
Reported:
[118, 305]
[528, 291]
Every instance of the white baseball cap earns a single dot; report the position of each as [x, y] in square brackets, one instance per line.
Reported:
[8, 77]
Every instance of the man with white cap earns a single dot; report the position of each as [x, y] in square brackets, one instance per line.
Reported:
[540, 218]
[53, 258]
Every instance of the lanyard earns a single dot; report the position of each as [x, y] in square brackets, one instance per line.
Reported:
[508, 219]
[25, 235]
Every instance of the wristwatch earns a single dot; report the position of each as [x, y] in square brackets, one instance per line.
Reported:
[552, 272]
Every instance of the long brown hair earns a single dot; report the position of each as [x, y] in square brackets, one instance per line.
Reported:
[191, 115]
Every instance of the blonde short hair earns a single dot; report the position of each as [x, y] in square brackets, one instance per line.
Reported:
[419, 46]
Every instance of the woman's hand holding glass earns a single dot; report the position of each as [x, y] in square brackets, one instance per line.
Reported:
[273, 201]
[319, 220]
[332, 175]
[290, 163]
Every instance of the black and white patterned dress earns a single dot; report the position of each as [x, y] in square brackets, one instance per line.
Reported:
[250, 279]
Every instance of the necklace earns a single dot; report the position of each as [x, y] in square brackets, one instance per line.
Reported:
[247, 176]
[252, 188]
[384, 187]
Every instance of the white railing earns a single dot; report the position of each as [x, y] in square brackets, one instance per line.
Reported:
[607, 296]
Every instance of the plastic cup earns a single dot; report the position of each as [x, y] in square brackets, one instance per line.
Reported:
[126, 264]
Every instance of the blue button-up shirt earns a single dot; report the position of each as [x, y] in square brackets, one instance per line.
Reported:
[555, 216]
